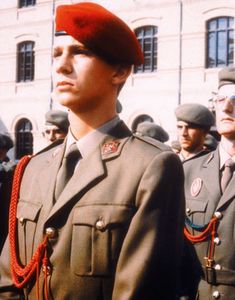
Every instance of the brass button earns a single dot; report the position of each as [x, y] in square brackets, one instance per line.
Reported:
[218, 267]
[100, 224]
[46, 270]
[51, 232]
[217, 241]
[216, 294]
[218, 215]
[21, 220]
[188, 210]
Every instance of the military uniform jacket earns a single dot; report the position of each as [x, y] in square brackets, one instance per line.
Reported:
[118, 222]
[203, 199]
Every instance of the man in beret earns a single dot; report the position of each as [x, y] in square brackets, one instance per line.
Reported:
[56, 125]
[193, 124]
[103, 223]
[210, 206]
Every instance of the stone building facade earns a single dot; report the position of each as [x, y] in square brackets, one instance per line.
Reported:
[186, 44]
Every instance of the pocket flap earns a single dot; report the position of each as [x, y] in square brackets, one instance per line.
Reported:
[28, 210]
[108, 214]
[193, 206]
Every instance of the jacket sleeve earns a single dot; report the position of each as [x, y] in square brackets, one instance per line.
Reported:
[7, 290]
[150, 257]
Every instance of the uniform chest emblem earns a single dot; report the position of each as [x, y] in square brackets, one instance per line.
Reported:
[196, 187]
[111, 147]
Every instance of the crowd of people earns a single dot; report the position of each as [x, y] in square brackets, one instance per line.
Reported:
[105, 212]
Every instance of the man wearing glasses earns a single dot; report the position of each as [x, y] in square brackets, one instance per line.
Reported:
[210, 206]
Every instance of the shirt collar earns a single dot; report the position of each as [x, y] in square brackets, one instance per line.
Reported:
[224, 156]
[88, 142]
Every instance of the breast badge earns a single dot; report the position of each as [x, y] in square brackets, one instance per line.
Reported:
[196, 187]
[110, 147]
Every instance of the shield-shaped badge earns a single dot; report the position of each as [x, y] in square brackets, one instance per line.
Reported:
[196, 187]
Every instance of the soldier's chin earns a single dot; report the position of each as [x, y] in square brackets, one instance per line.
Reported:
[61, 98]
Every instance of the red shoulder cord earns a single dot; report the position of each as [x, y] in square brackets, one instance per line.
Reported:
[21, 275]
[209, 231]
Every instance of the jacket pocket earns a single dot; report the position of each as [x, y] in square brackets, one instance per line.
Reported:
[195, 210]
[27, 214]
[98, 232]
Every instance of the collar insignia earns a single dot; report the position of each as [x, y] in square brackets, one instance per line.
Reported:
[110, 147]
[196, 187]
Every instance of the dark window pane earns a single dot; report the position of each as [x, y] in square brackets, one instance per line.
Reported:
[230, 48]
[222, 49]
[25, 61]
[212, 25]
[222, 23]
[24, 138]
[25, 3]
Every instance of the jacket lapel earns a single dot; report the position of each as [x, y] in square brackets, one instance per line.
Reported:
[228, 194]
[92, 169]
[47, 177]
[211, 180]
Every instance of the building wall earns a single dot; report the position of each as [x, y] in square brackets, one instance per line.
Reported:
[181, 75]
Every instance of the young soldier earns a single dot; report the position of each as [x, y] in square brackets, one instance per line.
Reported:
[115, 230]
[210, 206]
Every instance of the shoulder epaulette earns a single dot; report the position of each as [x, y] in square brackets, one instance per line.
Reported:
[51, 146]
[153, 142]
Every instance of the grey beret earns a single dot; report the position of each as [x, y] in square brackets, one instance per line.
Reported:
[152, 130]
[226, 76]
[196, 114]
[5, 142]
[58, 118]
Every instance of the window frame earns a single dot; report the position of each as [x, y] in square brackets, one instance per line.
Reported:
[25, 61]
[26, 3]
[148, 39]
[23, 138]
[217, 31]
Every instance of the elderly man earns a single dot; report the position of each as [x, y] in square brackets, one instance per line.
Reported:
[103, 223]
[193, 124]
[210, 196]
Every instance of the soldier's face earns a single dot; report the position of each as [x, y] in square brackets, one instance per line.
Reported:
[191, 138]
[225, 111]
[81, 80]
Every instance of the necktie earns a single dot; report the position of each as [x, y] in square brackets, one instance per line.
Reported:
[229, 168]
[67, 169]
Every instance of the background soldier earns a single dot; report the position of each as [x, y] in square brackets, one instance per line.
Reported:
[56, 125]
[210, 197]
[104, 223]
[7, 167]
[193, 124]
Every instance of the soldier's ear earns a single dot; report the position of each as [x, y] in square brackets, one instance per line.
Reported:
[120, 74]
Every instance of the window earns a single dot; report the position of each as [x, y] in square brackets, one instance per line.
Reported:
[147, 36]
[24, 138]
[25, 3]
[25, 61]
[220, 42]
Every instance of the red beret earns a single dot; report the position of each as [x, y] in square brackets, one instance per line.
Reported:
[100, 31]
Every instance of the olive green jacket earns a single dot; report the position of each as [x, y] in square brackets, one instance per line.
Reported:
[118, 223]
[203, 199]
